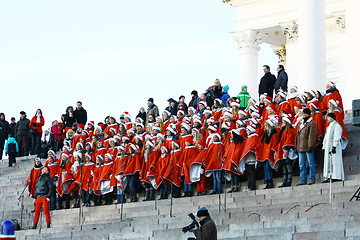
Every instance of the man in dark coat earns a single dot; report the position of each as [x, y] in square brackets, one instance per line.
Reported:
[152, 109]
[4, 132]
[13, 127]
[22, 134]
[44, 187]
[267, 82]
[305, 143]
[194, 99]
[281, 80]
[207, 229]
[80, 114]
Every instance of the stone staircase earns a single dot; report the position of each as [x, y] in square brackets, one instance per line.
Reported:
[302, 212]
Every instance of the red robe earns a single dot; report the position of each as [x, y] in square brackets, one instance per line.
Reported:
[32, 180]
[190, 165]
[54, 169]
[65, 182]
[336, 96]
[287, 140]
[318, 118]
[96, 179]
[132, 164]
[249, 146]
[157, 174]
[228, 156]
[267, 151]
[213, 161]
[84, 177]
[147, 165]
[107, 178]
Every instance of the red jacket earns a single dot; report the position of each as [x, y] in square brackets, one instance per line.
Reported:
[38, 125]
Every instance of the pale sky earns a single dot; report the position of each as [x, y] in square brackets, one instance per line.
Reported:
[114, 55]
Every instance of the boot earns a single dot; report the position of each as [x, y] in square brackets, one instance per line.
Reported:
[76, 203]
[271, 184]
[152, 194]
[34, 208]
[147, 194]
[289, 182]
[48, 224]
[165, 194]
[34, 226]
[67, 201]
[267, 184]
[161, 194]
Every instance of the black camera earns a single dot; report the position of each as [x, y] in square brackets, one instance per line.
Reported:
[192, 226]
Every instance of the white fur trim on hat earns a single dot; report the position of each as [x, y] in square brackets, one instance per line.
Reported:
[52, 152]
[330, 83]
[140, 119]
[192, 109]
[167, 113]
[186, 126]
[212, 128]
[251, 128]
[240, 122]
[333, 102]
[159, 135]
[271, 123]
[203, 103]
[101, 157]
[134, 147]
[171, 130]
[218, 100]
[235, 103]
[287, 120]
[229, 114]
[164, 148]
[236, 131]
[225, 125]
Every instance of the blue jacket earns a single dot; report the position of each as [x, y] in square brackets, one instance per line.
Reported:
[11, 140]
[224, 98]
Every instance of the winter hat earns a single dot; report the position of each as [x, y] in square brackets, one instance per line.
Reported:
[23, 113]
[236, 103]
[332, 115]
[226, 88]
[208, 110]
[203, 103]
[191, 109]
[81, 126]
[285, 119]
[203, 212]
[243, 87]
[151, 100]
[268, 99]
[194, 92]
[331, 84]
[250, 128]
[218, 100]
[270, 122]
[307, 111]
[242, 112]
[272, 107]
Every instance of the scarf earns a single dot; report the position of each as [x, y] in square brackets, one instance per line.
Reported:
[38, 118]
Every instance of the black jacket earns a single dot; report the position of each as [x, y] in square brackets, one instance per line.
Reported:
[12, 129]
[51, 142]
[141, 115]
[44, 186]
[80, 116]
[4, 127]
[281, 81]
[22, 127]
[267, 83]
[207, 230]
[68, 121]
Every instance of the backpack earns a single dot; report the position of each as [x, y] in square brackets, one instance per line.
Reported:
[12, 148]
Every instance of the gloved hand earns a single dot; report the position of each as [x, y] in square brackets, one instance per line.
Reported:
[333, 151]
[309, 150]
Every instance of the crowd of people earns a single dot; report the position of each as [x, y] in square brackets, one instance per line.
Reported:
[186, 146]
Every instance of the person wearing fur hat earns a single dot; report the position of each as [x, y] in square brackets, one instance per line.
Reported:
[207, 228]
[33, 177]
[333, 162]
[243, 97]
[152, 109]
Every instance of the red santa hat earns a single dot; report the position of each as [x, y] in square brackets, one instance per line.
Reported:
[140, 125]
[88, 156]
[282, 94]
[312, 93]
[272, 107]
[235, 103]
[286, 119]
[250, 128]
[91, 123]
[89, 143]
[263, 96]
[252, 100]
[294, 87]
[150, 143]
[242, 112]
[159, 135]
[186, 126]
[331, 84]
[236, 131]
[217, 135]
[268, 99]
[181, 112]
[191, 109]
[156, 128]
[81, 126]
[225, 125]
[121, 148]
[127, 115]
[207, 110]
[80, 144]
[314, 103]
[134, 147]
[188, 139]
[175, 143]
[117, 137]
[299, 106]
[212, 128]
[255, 115]
[148, 137]
[229, 114]
[169, 128]
[254, 121]
[167, 113]
[270, 122]
[64, 154]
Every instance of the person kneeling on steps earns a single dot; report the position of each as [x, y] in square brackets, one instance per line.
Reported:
[42, 196]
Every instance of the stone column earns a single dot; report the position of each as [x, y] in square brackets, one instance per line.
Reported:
[312, 45]
[352, 53]
[290, 30]
[248, 42]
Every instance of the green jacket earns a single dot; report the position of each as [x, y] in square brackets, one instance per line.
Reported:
[243, 98]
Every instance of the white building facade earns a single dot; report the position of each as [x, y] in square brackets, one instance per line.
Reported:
[316, 41]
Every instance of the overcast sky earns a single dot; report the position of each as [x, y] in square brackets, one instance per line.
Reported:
[114, 55]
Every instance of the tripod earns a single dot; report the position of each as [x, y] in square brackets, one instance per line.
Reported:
[22, 204]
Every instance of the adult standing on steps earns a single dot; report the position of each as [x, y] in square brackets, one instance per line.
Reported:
[80, 114]
[22, 134]
[36, 123]
[281, 80]
[267, 82]
[152, 109]
[333, 150]
[305, 143]
[44, 187]
[4, 132]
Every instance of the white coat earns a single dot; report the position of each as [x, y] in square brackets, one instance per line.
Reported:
[333, 139]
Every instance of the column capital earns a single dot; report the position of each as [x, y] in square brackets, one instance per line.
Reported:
[280, 51]
[290, 29]
[247, 39]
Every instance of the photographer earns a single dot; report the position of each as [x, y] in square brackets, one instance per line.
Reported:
[207, 230]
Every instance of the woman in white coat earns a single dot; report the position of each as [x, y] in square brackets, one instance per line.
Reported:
[333, 150]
